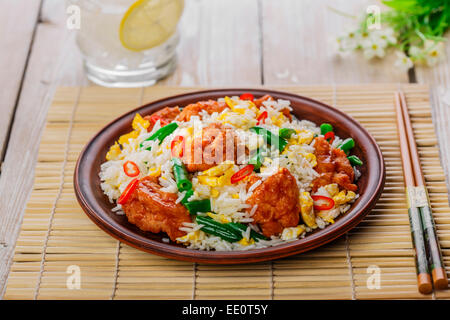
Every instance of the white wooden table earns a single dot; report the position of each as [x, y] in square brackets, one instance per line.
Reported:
[223, 43]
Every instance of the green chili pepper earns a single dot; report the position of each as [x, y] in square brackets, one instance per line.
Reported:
[239, 227]
[325, 127]
[355, 161]
[286, 133]
[181, 175]
[271, 138]
[198, 206]
[162, 133]
[347, 145]
[218, 229]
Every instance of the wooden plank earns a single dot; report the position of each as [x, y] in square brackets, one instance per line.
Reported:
[219, 44]
[298, 49]
[438, 78]
[53, 61]
[18, 20]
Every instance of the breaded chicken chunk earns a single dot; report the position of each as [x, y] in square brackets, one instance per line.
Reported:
[153, 210]
[333, 166]
[168, 114]
[277, 198]
[216, 145]
[194, 109]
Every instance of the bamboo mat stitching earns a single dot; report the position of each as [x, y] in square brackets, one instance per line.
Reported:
[116, 271]
[347, 246]
[116, 268]
[271, 280]
[58, 196]
[194, 280]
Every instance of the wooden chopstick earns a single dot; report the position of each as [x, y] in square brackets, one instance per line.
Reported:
[438, 273]
[423, 276]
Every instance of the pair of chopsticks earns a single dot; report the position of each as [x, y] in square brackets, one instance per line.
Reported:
[427, 251]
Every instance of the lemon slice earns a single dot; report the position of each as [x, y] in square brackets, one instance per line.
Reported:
[149, 23]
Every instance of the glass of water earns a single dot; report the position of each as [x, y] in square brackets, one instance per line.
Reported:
[127, 43]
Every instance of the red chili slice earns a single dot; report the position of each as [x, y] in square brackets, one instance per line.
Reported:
[262, 117]
[329, 136]
[155, 118]
[177, 146]
[131, 169]
[128, 191]
[329, 203]
[247, 96]
[241, 174]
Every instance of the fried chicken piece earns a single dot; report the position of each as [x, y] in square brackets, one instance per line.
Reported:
[259, 103]
[153, 210]
[168, 114]
[333, 166]
[194, 109]
[278, 203]
[216, 145]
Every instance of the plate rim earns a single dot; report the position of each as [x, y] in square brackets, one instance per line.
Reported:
[320, 238]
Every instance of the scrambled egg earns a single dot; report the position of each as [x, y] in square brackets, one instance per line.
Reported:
[219, 217]
[218, 170]
[278, 120]
[217, 176]
[155, 172]
[114, 152]
[292, 233]
[246, 242]
[139, 122]
[126, 137]
[305, 136]
[332, 189]
[311, 159]
[306, 210]
[192, 236]
[343, 197]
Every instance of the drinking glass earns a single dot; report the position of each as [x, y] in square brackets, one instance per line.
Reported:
[128, 43]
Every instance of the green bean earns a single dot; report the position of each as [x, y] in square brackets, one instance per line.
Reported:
[286, 133]
[196, 206]
[257, 158]
[216, 228]
[239, 227]
[355, 161]
[162, 133]
[181, 175]
[347, 145]
[270, 138]
[325, 127]
[188, 194]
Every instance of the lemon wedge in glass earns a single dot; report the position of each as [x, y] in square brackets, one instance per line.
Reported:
[149, 23]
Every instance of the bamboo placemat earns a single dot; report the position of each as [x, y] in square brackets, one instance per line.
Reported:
[57, 234]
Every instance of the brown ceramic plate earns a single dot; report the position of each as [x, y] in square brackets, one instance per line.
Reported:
[98, 208]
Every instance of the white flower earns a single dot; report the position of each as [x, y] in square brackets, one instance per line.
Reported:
[363, 38]
[403, 61]
[434, 52]
[415, 52]
[386, 35]
[372, 49]
[374, 38]
[349, 41]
